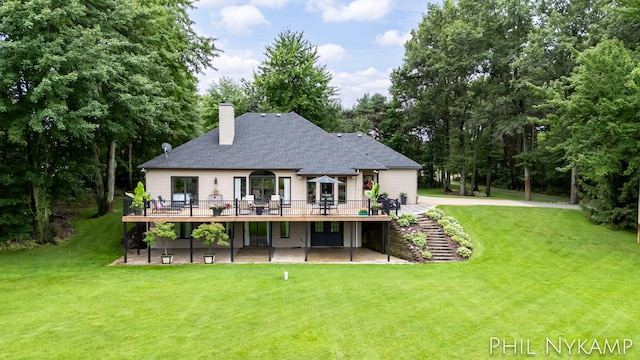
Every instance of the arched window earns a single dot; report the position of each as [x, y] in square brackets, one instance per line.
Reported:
[262, 184]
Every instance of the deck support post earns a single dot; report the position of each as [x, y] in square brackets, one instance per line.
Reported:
[125, 241]
[306, 240]
[389, 242]
[191, 248]
[269, 238]
[233, 235]
[351, 224]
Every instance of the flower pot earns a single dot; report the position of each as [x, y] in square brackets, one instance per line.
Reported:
[258, 210]
[166, 259]
[137, 211]
[403, 200]
[217, 212]
[209, 258]
[374, 211]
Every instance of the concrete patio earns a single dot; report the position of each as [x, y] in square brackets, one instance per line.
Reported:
[261, 255]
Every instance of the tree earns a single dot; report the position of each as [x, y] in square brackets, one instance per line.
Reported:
[369, 112]
[290, 79]
[225, 90]
[76, 83]
[601, 115]
[434, 85]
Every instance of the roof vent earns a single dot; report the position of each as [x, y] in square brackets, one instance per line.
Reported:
[278, 115]
[359, 134]
[263, 115]
[339, 135]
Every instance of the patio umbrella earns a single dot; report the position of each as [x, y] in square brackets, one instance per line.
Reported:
[325, 180]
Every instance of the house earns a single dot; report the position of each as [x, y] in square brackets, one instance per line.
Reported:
[261, 169]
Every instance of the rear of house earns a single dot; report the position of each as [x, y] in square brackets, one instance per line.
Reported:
[275, 180]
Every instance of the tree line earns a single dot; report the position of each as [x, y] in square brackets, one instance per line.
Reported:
[538, 94]
[87, 88]
[535, 95]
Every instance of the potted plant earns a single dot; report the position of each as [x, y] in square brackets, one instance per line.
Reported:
[403, 198]
[215, 186]
[138, 198]
[164, 232]
[363, 212]
[219, 208]
[373, 194]
[211, 234]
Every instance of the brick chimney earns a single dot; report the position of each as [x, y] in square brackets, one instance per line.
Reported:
[227, 130]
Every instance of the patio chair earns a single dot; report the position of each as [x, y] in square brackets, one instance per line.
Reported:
[249, 198]
[245, 208]
[176, 206]
[155, 206]
[274, 205]
[275, 197]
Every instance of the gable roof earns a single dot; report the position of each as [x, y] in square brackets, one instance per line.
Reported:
[274, 141]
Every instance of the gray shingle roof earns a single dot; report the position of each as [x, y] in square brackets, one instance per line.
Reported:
[279, 142]
[383, 154]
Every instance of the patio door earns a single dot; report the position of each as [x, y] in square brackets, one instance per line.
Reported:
[256, 234]
[327, 233]
[263, 185]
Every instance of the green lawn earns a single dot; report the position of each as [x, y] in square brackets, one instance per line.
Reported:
[535, 274]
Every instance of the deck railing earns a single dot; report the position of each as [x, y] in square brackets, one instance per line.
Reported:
[242, 207]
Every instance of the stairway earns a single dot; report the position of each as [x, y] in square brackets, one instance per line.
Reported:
[437, 242]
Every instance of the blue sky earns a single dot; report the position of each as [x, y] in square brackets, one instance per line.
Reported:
[359, 41]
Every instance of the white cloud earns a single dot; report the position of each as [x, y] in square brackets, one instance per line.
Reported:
[238, 19]
[331, 52]
[393, 38]
[212, 3]
[221, 3]
[235, 65]
[270, 3]
[353, 86]
[359, 10]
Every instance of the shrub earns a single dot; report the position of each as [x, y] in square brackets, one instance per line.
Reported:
[462, 240]
[162, 231]
[410, 217]
[427, 255]
[404, 222]
[435, 213]
[419, 240]
[452, 229]
[211, 234]
[464, 251]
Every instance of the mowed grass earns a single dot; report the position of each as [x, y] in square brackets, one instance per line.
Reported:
[535, 274]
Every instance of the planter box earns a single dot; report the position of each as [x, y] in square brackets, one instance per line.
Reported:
[166, 259]
[209, 258]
